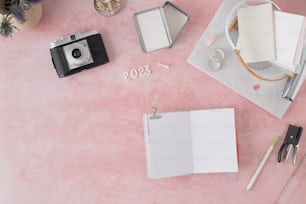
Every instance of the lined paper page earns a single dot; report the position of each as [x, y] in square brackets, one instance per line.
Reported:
[168, 145]
[214, 141]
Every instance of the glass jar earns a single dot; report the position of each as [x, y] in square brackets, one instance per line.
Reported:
[107, 7]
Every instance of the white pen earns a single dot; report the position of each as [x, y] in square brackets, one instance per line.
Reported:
[163, 65]
[262, 163]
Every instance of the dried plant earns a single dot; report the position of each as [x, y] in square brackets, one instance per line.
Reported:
[13, 9]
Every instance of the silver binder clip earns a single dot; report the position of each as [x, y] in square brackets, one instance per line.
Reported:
[155, 113]
[294, 84]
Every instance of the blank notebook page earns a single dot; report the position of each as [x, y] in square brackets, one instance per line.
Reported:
[169, 145]
[214, 141]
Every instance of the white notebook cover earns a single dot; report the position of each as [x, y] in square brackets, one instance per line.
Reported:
[290, 32]
[256, 33]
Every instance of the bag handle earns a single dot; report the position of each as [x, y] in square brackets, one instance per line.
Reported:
[231, 23]
[248, 69]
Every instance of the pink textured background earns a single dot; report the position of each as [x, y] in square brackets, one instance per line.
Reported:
[79, 140]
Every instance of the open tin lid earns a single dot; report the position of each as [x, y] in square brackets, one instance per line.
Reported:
[158, 27]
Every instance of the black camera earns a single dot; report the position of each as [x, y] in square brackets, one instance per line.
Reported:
[76, 52]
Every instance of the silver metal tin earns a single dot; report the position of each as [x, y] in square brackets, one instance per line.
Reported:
[67, 38]
[159, 27]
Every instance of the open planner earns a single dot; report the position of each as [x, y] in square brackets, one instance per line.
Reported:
[186, 142]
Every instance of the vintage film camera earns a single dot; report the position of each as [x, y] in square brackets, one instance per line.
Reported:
[76, 52]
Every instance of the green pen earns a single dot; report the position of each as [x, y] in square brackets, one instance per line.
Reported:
[262, 163]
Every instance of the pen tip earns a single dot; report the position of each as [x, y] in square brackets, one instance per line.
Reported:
[275, 140]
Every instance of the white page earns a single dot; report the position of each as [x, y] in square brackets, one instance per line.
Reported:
[214, 141]
[152, 29]
[168, 145]
[288, 28]
[256, 33]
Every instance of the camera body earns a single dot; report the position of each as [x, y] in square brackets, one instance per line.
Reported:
[77, 52]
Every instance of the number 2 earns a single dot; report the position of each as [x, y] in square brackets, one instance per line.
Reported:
[125, 76]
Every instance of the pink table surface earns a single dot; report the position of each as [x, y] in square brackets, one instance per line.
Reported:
[79, 140]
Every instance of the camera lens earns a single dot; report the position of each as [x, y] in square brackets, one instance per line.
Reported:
[76, 53]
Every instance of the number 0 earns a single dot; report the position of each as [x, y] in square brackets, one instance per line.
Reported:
[134, 73]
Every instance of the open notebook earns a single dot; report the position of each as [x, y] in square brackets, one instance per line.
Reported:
[198, 141]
